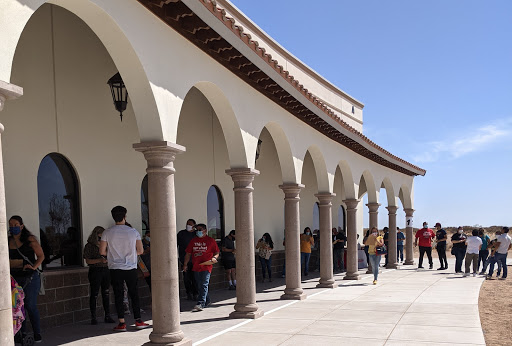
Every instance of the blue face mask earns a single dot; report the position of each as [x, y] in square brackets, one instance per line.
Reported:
[199, 234]
[15, 230]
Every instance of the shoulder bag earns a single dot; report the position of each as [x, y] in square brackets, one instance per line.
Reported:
[40, 272]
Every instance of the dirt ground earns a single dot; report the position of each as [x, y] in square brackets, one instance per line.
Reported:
[495, 306]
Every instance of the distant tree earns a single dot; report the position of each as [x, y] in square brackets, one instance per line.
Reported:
[60, 213]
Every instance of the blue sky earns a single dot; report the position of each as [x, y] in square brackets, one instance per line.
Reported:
[436, 80]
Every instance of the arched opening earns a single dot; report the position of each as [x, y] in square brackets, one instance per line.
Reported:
[59, 212]
[342, 221]
[316, 217]
[215, 214]
[144, 205]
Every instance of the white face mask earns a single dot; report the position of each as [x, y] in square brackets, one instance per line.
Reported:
[189, 228]
[460, 231]
[375, 233]
[148, 239]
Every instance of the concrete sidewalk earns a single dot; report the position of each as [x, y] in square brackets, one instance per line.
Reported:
[408, 306]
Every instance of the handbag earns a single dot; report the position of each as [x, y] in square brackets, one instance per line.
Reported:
[381, 250]
[40, 272]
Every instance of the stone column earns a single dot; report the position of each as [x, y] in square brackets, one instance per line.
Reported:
[245, 306]
[162, 218]
[392, 238]
[374, 222]
[352, 271]
[7, 92]
[326, 274]
[293, 290]
[409, 240]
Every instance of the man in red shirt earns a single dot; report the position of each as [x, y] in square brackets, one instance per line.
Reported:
[425, 236]
[204, 252]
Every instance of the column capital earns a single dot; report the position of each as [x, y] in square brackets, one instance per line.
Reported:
[242, 177]
[292, 188]
[351, 203]
[325, 198]
[160, 155]
[373, 207]
[9, 91]
[392, 209]
[409, 211]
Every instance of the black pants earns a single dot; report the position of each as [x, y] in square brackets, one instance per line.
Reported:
[441, 252]
[99, 277]
[459, 253]
[118, 277]
[423, 250]
[189, 280]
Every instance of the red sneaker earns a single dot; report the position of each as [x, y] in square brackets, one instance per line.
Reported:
[121, 327]
[140, 325]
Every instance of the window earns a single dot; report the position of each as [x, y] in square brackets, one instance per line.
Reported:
[59, 212]
[144, 205]
[215, 214]
[341, 218]
[352, 109]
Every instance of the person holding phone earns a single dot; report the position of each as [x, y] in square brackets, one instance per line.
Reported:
[265, 246]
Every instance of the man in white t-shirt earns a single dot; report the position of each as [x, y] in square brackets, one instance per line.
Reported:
[474, 244]
[121, 244]
[503, 244]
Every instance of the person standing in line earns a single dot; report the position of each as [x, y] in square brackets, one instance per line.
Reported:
[99, 275]
[203, 252]
[502, 245]
[228, 259]
[146, 257]
[25, 257]
[492, 256]
[425, 236]
[484, 253]
[400, 237]
[373, 241]
[366, 247]
[386, 242]
[316, 249]
[122, 244]
[338, 243]
[306, 241]
[474, 245]
[441, 238]
[183, 238]
[459, 248]
[265, 246]
[283, 274]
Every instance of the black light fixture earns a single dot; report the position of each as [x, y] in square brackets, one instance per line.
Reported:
[119, 93]
[258, 150]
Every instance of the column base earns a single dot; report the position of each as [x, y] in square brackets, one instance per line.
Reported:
[168, 339]
[247, 314]
[409, 262]
[325, 283]
[392, 266]
[300, 296]
[352, 276]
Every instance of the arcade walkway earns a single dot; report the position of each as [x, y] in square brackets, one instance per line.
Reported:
[407, 307]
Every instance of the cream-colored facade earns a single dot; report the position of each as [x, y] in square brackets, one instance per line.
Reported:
[62, 52]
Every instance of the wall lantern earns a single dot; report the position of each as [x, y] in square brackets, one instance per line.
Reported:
[119, 93]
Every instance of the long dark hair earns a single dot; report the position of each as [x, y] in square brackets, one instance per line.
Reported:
[305, 229]
[25, 233]
[268, 240]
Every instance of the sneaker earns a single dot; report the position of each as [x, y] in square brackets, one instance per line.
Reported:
[140, 325]
[374, 282]
[442, 268]
[37, 338]
[488, 277]
[474, 274]
[94, 321]
[208, 304]
[109, 319]
[465, 275]
[420, 267]
[502, 278]
[121, 327]
[481, 273]
[431, 266]
[198, 307]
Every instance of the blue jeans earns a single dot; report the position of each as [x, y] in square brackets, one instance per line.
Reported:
[400, 252]
[491, 259]
[31, 290]
[482, 257]
[500, 258]
[375, 262]
[304, 259]
[266, 263]
[203, 280]
[338, 264]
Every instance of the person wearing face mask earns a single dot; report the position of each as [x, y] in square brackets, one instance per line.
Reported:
[228, 259]
[25, 257]
[146, 256]
[265, 246]
[306, 241]
[373, 241]
[441, 238]
[183, 238]
[459, 248]
[425, 236]
[203, 252]
[99, 275]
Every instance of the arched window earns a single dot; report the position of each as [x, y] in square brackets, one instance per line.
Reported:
[215, 214]
[59, 212]
[341, 218]
[316, 217]
[144, 205]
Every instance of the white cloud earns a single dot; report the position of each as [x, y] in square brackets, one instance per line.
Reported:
[470, 141]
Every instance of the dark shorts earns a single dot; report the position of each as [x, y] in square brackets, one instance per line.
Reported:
[229, 264]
